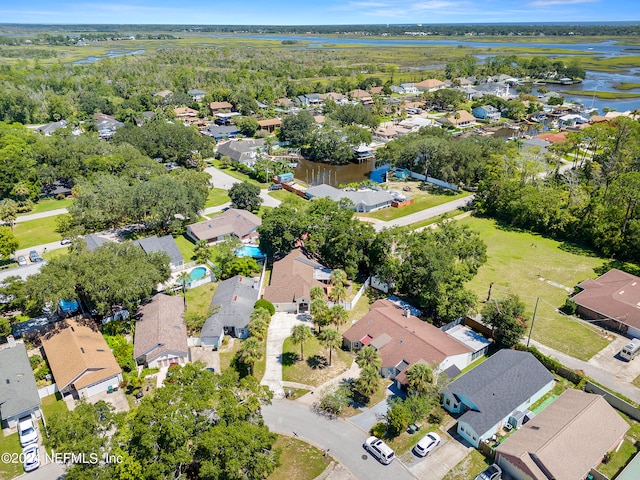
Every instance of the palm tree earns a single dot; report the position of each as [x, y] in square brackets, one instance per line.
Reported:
[202, 251]
[338, 315]
[259, 323]
[368, 356]
[420, 378]
[316, 292]
[183, 278]
[338, 293]
[330, 339]
[8, 211]
[299, 335]
[368, 381]
[250, 352]
[320, 312]
[338, 277]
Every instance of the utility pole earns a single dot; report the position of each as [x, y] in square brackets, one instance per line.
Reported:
[535, 309]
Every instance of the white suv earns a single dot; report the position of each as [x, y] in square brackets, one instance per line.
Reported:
[27, 431]
[380, 450]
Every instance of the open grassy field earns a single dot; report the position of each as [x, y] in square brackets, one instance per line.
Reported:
[50, 204]
[313, 370]
[217, 196]
[422, 199]
[298, 460]
[37, 232]
[525, 264]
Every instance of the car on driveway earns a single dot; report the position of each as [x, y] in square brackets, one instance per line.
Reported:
[275, 186]
[380, 450]
[27, 431]
[34, 256]
[31, 457]
[22, 260]
[494, 472]
[427, 444]
[65, 241]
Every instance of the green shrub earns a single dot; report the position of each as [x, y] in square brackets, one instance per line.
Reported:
[379, 430]
[436, 416]
[266, 304]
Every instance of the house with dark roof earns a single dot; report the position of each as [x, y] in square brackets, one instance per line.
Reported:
[94, 241]
[196, 94]
[488, 395]
[161, 333]
[164, 244]
[231, 305]
[18, 391]
[402, 340]
[365, 200]
[80, 360]
[612, 298]
[48, 129]
[221, 132]
[564, 441]
[292, 277]
[241, 224]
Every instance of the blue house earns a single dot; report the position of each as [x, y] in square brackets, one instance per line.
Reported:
[487, 113]
[503, 386]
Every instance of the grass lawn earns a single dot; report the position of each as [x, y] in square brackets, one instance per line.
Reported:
[516, 262]
[308, 371]
[286, 196]
[619, 459]
[359, 310]
[227, 355]
[380, 395]
[53, 405]
[57, 253]
[217, 196]
[406, 441]
[423, 199]
[298, 460]
[431, 221]
[50, 204]
[232, 172]
[10, 444]
[37, 232]
[199, 298]
[468, 468]
[186, 247]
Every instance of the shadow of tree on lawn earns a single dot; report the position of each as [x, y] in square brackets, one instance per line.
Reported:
[289, 358]
[318, 361]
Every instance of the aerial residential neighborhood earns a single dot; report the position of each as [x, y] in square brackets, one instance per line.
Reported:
[321, 252]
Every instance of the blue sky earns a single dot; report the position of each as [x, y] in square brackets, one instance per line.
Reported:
[316, 12]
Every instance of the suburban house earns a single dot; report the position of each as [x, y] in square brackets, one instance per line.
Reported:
[243, 151]
[186, 113]
[217, 107]
[339, 98]
[221, 132]
[430, 85]
[94, 241]
[366, 200]
[161, 334]
[405, 89]
[269, 124]
[361, 95]
[488, 113]
[23, 272]
[489, 394]
[241, 224]
[18, 391]
[106, 125]
[48, 129]
[402, 340]
[461, 118]
[164, 244]
[612, 298]
[196, 94]
[565, 441]
[164, 94]
[231, 305]
[292, 277]
[80, 360]
[308, 99]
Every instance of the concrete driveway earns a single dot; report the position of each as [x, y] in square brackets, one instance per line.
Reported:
[442, 460]
[207, 356]
[370, 416]
[279, 329]
[343, 440]
[425, 214]
[608, 359]
[220, 179]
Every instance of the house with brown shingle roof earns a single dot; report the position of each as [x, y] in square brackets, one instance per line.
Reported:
[163, 93]
[461, 118]
[216, 107]
[161, 333]
[430, 85]
[402, 340]
[269, 124]
[613, 298]
[564, 441]
[241, 224]
[361, 95]
[291, 280]
[80, 360]
[186, 113]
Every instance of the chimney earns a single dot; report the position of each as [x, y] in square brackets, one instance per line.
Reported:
[11, 340]
[407, 312]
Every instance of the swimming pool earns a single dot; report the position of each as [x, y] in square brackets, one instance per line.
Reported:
[252, 251]
[198, 273]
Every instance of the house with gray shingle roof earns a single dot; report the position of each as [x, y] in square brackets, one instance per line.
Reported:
[161, 334]
[94, 241]
[18, 391]
[366, 200]
[243, 151]
[164, 244]
[490, 393]
[231, 305]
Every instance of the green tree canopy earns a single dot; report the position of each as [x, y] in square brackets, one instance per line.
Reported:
[245, 196]
[506, 316]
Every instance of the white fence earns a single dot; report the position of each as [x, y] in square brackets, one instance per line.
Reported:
[352, 303]
[49, 390]
[193, 341]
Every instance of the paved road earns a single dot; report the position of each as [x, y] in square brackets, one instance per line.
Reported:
[35, 216]
[279, 329]
[425, 214]
[603, 377]
[342, 438]
[220, 179]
